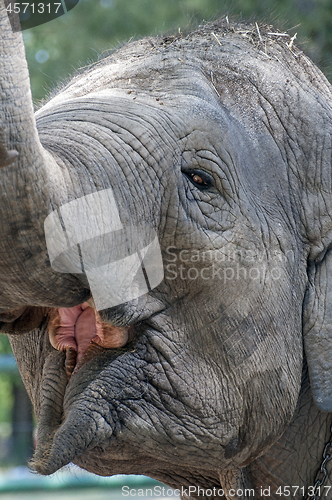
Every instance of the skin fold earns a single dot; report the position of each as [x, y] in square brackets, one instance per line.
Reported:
[218, 142]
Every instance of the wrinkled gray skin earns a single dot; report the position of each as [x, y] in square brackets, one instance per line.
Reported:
[213, 389]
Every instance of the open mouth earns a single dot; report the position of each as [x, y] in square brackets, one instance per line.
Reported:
[75, 352]
[80, 332]
[80, 336]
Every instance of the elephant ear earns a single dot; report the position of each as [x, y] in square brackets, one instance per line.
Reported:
[317, 330]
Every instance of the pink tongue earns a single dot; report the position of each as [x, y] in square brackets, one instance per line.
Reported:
[77, 326]
[64, 335]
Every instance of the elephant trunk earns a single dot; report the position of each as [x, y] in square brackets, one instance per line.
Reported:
[18, 127]
[28, 173]
[60, 440]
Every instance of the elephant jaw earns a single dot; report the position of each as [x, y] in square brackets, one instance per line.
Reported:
[79, 330]
[78, 334]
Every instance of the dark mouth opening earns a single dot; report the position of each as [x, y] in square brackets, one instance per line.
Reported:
[12, 315]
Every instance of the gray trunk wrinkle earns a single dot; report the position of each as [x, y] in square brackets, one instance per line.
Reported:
[53, 389]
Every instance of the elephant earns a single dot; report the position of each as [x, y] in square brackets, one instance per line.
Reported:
[165, 261]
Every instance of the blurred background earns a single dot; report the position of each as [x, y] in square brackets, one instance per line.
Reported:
[56, 49]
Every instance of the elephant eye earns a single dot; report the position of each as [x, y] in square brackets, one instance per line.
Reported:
[199, 178]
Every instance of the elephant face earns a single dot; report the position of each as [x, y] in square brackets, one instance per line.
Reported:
[200, 159]
[197, 380]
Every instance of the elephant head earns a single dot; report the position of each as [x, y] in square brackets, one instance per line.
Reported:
[166, 219]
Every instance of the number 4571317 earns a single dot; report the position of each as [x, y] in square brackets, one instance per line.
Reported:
[40, 8]
[291, 491]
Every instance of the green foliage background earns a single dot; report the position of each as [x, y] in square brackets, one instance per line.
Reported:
[56, 48]
[6, 382]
